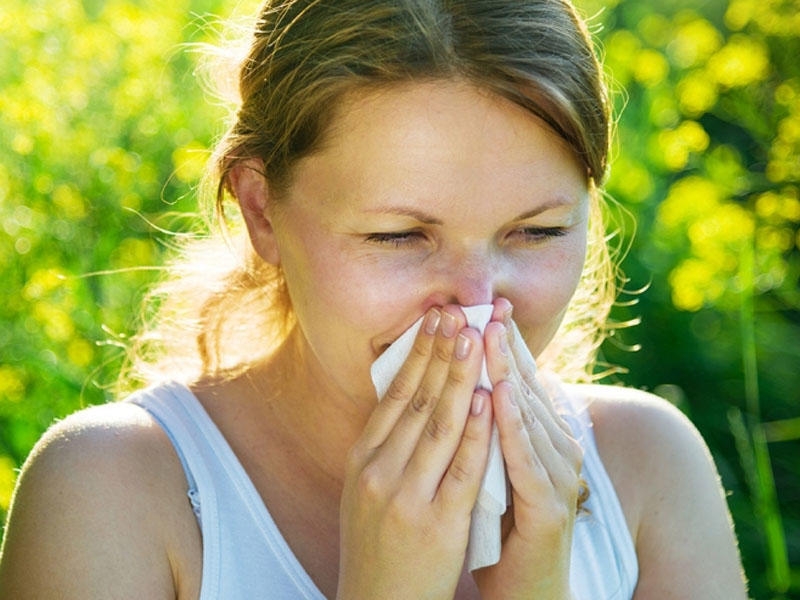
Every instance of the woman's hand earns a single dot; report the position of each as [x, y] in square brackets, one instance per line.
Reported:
[543, 461]
[414, 474]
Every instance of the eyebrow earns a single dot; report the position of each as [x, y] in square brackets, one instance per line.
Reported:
[555, 202]
[427, 219]
[408, 212]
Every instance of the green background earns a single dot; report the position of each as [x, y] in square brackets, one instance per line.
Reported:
[104, 130]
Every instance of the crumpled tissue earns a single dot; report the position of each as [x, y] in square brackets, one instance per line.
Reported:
[484, 539]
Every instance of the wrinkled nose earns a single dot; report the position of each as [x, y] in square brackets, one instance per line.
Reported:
[469, 280]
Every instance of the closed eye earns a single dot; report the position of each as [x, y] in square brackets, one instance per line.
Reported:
[394, 238]
[539, 234]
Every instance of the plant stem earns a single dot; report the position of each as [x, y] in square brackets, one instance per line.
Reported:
[761, 480]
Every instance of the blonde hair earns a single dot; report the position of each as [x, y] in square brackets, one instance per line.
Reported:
[221, 307]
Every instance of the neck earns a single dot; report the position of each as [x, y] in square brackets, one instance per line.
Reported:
[313, 413]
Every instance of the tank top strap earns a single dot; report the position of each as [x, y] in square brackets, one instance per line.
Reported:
[244, 553]
[183, 419]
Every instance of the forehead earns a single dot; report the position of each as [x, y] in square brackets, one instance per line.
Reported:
[435, 139]
[433, 111]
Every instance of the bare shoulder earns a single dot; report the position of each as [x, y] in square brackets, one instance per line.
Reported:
[101, 450]
[644, 441]
[626, 420]
[110, 432]
[671, 494]
[617, 407]
[83, 521]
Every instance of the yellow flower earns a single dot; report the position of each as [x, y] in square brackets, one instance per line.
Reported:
[742, 61]
[8, 476]
[12, 386]
[775, 207]
[688, 199]
[69, 202]
[678, 143]
[697, 93]
[650, 68]
[694, 42]
[80, 352]
[190, 161]
[693, 283]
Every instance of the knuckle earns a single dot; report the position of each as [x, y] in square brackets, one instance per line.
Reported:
[574, 454]
[370, 483]
[459, 471]
[423, 401]
[399, 389]
[525, 424]
[471, 434]
[438, 429]
[458, 375]
[506, 372]
[526, 396]
[442, 353]
[420, 350]
[531, 462]
[527, 373]
[529, 421]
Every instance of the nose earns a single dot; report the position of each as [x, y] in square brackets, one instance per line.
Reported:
[468, 279]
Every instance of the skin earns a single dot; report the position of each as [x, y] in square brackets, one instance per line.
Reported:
[398, 208]
[424, 198]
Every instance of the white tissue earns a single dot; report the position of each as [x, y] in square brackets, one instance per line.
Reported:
[484, 541]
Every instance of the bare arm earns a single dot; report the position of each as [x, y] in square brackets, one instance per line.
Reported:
[95, 511]
[672, 497]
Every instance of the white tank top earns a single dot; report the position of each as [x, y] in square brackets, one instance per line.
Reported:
[245, 556]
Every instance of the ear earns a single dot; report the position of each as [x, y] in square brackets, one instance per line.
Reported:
[249, 186]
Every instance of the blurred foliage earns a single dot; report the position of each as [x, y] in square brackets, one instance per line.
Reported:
[105, 129]
[103, 125]
[708, 164]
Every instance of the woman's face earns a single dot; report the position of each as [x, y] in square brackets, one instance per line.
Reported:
[427, 194]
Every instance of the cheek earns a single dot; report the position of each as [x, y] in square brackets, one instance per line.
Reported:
[364, 293]
[542, 294]
[352, 310]
[344, 302]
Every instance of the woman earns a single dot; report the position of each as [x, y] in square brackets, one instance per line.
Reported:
[393, 161]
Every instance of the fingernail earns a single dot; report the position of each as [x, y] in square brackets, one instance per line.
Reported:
[503, 342]
[478, 402]
[431, 321]
[449, 325]
[507, 316]
[463, 346]
[512, 395]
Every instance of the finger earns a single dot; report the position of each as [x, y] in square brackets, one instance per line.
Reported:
[559, 454]
[462, 481]
[502, 311]
[544, 490]
[401, 390]
[503, 366]
[499, 363]
[536, 411]
[444, 428]
[540, 478]
[525, 470]
[407, 429]
[534, 407]
[525, 365]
